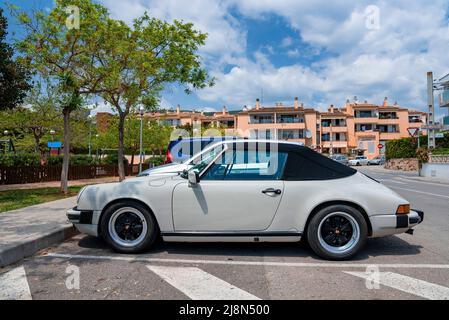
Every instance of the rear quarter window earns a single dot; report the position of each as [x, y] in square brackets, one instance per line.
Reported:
[306, 165]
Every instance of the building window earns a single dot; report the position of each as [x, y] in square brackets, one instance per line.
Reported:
[290, 118]
[366, 114]
[388, 115]
[414, 119]
[291, 134]
[364, 127]
[262, 119]
[335, 123]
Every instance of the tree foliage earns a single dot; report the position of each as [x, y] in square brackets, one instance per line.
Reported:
[14, 78]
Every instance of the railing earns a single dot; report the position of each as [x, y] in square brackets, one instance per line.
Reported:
[21, 175]
[438, 158]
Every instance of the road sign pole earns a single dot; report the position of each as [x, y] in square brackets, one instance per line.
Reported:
[431, 116]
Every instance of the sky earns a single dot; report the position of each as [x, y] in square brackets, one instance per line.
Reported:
[323, 52]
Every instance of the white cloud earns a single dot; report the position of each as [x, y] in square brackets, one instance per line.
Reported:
[286, 42]
[389, 61]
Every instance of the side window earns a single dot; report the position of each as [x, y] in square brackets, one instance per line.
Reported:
[248, 165]
[314, 167]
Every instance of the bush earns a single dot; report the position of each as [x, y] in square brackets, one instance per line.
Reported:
[156, 161]
[423, 155]
[112, 159]
[401, 148]
[82, 160]
[19, 159]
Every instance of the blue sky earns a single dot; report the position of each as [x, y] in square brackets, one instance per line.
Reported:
[321, 51]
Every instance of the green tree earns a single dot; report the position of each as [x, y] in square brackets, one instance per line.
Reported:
[13, 76]
[57, 48]
[136, 62]
[155, 137]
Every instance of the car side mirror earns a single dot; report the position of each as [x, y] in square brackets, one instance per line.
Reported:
[194, 178]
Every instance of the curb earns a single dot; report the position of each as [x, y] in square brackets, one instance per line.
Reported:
[15, 253]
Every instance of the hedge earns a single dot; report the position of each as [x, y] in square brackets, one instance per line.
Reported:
[19, 160]
[406, 148]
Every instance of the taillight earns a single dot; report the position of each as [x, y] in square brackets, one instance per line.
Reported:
[403, 209]
[169, 158]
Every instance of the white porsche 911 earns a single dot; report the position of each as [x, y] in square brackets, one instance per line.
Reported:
[247, 191]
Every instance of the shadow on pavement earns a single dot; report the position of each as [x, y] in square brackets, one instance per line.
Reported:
[387, 246]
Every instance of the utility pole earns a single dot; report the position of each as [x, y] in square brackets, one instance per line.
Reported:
[431, 116]
[331, 151]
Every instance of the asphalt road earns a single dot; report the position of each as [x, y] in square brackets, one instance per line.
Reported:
[410, 267]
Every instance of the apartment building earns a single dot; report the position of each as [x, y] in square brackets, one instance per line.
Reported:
[292, 123]
[355, 128]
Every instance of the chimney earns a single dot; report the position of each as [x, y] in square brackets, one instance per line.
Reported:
[348, 102]
[257, 104]
[178, 109]
[225, 110]
[331, 108]
[385, 104]
[296, 103]
[302, 106]
[356, 100]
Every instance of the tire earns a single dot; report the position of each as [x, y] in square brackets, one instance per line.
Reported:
[358, 164]
[129, 227]
[334, 246]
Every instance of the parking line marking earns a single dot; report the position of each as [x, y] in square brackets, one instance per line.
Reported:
[248, 263]
[200, 285]
[14, 285]
[410, 285]
[422, 192]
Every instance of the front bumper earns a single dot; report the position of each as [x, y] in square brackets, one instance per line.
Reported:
[86, 221]
[385, 225]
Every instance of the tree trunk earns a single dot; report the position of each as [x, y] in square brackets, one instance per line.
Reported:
[121, 147]
[66, 160]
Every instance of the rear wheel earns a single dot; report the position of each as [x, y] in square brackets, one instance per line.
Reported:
[337, 232]
[129, 227]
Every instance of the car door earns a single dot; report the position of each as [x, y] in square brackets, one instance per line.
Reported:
[241, 191]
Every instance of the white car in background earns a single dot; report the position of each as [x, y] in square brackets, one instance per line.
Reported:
[247, 191]
[359, 161]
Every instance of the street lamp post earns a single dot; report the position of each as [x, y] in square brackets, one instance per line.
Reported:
[6, 133]
[90, 134]
[142, 111]
[52, 133]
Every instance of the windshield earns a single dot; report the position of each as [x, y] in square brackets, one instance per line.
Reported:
[202, 161]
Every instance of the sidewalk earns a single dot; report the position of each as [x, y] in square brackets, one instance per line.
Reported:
[25, 231]
[56, 184]
[411, 175]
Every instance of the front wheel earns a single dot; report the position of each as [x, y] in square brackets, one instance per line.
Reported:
[129, 227]
[337, 232]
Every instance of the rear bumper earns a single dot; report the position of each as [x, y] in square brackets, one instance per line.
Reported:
[85, 221]
[385, 225]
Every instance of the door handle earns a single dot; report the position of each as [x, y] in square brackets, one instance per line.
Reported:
[271, 190]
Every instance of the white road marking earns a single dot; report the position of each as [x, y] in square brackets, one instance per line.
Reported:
[390, 180]
[200, 285]
[410, 285]
[14, 285]
[422, 192]
[425, 182]
[249, 263]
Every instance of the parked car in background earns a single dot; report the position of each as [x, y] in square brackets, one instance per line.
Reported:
[341, 159]
[247, 191]
[377, 161]
[359, 161]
